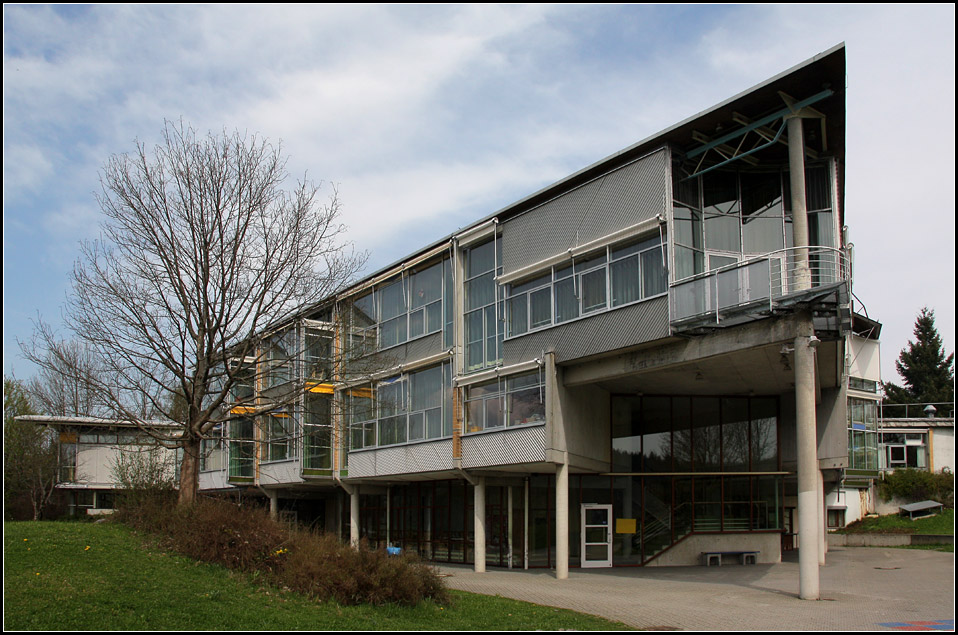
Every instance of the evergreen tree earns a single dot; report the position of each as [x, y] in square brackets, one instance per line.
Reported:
[928, 375]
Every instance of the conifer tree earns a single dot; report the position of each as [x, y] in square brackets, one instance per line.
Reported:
[928, 375]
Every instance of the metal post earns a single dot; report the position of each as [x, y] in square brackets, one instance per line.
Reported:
[822, 529]
[509, 524]
[525, 525]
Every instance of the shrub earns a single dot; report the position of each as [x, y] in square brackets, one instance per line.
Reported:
[316, 564]
[917, 485]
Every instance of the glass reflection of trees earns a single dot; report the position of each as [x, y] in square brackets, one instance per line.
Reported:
[695, 434]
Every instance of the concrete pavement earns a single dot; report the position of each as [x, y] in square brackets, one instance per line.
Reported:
[862, 588]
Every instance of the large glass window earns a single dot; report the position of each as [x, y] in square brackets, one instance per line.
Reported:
[415, 406]
[483, 306]
[509, 401]
[402, 309]
[617, 276]
[723, 216]
[242, 447]
[694, 434]
[317, 433]
[905, 449]
[862, 434]
[280, 435]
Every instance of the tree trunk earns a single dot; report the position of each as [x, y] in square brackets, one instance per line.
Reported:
[189, 473]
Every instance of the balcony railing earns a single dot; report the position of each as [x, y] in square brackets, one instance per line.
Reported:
[756, 284]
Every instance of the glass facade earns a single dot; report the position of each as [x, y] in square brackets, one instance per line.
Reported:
[721, 217]
[616, 276]
[862, 434]
[482, 317]
[413, 406]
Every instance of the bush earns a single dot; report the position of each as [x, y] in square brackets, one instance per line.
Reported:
[315, 564]
[917, 485]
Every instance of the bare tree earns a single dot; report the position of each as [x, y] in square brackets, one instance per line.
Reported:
[64, 386]
[202, 254]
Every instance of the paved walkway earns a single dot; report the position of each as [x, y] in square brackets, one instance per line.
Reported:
[862, 588]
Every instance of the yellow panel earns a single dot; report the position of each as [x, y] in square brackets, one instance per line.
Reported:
[625, 525]
[242, 410]
[325, 389]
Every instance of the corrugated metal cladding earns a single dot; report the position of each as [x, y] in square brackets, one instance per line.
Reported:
[403, 354]
[619, 199]
[433, 456]
[609, 331]
[504, 447]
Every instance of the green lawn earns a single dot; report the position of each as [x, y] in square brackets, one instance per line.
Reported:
[940, 524]
[86, 576]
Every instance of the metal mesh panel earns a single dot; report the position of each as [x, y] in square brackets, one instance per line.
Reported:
[403, 459]
[614, 201]
[609, 331]
[504, 447]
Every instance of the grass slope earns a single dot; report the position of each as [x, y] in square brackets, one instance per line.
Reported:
[85, 576]
[942, 524]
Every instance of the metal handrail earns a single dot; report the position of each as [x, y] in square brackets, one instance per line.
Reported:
[759, 281]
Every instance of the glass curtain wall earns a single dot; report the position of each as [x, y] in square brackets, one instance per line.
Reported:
[483, 306]
[721, 217]
[688, 464]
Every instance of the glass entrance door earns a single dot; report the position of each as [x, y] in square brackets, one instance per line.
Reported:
[596, 535]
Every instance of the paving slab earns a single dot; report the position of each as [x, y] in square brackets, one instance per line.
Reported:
[862, 589]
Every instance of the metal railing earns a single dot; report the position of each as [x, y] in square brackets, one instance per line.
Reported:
[757, 283]
[916, 410]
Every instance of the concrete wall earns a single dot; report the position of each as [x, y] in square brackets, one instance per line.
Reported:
[942, 442]
[95, 462]
[587, 415]
[689, 551]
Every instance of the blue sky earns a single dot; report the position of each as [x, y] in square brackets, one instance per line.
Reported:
[429, 117]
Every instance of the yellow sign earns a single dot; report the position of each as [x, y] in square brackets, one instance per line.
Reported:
[625, 525]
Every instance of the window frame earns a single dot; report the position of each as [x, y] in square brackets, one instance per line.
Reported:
[518, 295]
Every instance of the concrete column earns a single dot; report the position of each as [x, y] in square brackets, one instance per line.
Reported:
[802, 278]
[808, 479]
[509, 523]
[562, 520]
[479, 514]
[822, 527]
[354, 517]
[273, 504]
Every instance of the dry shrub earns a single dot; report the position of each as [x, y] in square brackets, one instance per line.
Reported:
[315, 564]
[218, 531]
[322, 567]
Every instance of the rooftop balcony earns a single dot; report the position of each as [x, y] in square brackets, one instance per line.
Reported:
[758, 287]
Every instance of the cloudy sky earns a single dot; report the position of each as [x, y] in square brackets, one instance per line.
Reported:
[429, 117]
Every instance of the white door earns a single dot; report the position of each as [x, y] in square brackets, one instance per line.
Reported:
[596, 532]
